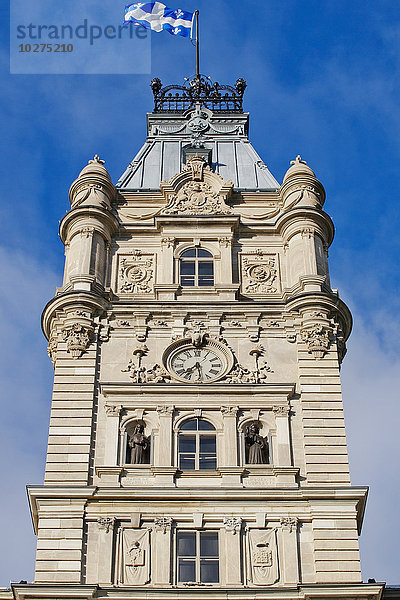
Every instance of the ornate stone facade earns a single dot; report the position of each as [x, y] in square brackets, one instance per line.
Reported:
[196, 447]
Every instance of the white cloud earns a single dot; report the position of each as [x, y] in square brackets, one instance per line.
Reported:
[371, 396]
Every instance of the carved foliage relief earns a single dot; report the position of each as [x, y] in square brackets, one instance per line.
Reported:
[136, 273]
[260, 274]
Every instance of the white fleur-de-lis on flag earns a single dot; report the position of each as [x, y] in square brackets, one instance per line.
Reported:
[176, 30]
[178, 13]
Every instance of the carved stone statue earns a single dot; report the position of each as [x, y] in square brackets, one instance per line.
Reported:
[257, 450]
[140, 447]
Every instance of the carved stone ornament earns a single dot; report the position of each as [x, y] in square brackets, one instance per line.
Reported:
[229, 411]
[77, 337]
[233, 524]
[317, 340]
[52, 348]
[167, 242]
[142, 374]
[165, 410]
[259, 274]
[281, 411]
[259, 374]
[196, 191]
[137, 273]
[197, 198]
[163, 524]
[106, 523]
[289, 523]
[113, 410]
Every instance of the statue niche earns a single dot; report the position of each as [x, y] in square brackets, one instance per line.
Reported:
[138, 446]
[256, 446]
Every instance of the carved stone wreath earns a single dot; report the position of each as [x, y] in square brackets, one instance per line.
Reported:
[197, 198]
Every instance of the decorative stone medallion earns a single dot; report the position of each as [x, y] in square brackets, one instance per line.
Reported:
[259, 274]
[137, 274]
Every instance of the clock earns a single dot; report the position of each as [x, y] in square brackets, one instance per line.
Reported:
[205, 363]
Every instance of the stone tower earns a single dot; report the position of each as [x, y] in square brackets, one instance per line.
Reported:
[197, 444]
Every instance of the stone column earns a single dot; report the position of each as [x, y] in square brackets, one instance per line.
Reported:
[163, 452]
[225, 267]
[105, 550]
[289, 557]
[166, 264]
[231, 544]
[161, 551]
[112, 435]
[230, 457]
[283, 458]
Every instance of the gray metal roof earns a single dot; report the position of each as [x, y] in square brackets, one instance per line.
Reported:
[232, 155]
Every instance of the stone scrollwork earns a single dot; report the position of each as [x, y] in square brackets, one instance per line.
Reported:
[229, 411]
[106, 523]
[163, 524]
[259, 274]
[165, 410]
[233, 524]
[281, 411]
[137, 274]
[317, 339]
[289, 523]
[78, 339]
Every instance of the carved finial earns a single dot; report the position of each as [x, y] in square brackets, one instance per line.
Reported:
[96, 159]
[156, 86]
[298, 160]
[240, 86]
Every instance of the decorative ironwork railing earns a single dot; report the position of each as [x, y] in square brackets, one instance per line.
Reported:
[198, 90]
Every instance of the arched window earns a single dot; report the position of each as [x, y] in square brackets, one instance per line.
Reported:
[196, 268]
[197, 445]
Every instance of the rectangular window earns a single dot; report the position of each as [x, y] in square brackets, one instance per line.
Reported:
[198, 557]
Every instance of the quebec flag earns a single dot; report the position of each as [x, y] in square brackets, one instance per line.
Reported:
[156, 16]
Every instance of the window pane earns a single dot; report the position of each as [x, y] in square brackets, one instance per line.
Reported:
[187, 268]
[187, 281]
[186, 543]
[206, 281]
[207, 462]
[208, 444]
[205, 268]
[188, 253]
[187, 443]
[202, 252]
[191, 424]
[208, 543]
[205, 425]
[187, 570]
[186, 463]
[209, 571]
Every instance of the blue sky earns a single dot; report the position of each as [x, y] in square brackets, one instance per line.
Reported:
[323, 82]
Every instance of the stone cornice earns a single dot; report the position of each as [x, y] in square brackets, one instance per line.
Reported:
[367, 591]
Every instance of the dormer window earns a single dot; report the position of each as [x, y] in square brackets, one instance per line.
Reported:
[196, 268]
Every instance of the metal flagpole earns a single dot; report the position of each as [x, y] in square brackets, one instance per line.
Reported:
[197, 46]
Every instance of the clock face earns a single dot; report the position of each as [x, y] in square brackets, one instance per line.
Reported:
[197, 365]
